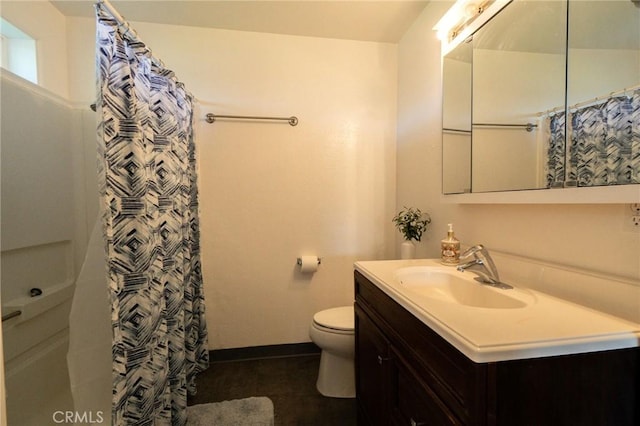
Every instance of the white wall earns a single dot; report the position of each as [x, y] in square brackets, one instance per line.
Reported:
[43, 22]
[456, 114]
[457, 83]
[586, 66]
[49, 155]
[512, 87]
[419, 154]
[270, 192]
[506, 159]
[38, 176]
[594, 237]
[36, 166]
[40, 247]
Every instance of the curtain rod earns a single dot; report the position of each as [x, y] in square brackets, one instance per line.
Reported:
[10, 315]
[114, 13]
[455, 131]
[293, 120]
[528, 126]
[129, 32]
[599, 99]
[132, 35]
[590, 102]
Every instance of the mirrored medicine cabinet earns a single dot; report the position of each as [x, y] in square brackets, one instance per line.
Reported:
[544, 97]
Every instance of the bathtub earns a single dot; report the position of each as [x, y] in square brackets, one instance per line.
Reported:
[35, 348]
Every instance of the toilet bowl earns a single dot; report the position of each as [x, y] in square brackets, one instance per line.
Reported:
[333, 331]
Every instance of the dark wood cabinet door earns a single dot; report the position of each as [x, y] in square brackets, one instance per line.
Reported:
[372, 355]
[412, 401]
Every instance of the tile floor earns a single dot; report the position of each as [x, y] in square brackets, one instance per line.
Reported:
[288, 380]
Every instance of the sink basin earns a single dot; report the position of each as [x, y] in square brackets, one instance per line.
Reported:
[449, 285]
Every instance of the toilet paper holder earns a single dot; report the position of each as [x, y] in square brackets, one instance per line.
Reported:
[299, 261]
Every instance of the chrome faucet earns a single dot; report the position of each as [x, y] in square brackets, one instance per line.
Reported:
[477, 260]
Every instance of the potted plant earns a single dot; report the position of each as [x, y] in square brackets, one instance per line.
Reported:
[412, 223]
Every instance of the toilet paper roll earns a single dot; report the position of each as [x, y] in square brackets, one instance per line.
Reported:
[308, 264]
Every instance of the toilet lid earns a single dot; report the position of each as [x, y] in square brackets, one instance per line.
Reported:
[336, 318]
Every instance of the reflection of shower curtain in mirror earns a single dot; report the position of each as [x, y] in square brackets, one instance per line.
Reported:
[604, 147]
[555, 150]
[148, 189]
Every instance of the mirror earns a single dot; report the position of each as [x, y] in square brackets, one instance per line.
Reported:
[518, 74]
[603, 93]
[456, 120]
[514, 68]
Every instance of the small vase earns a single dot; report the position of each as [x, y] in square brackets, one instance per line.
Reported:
[407, 250]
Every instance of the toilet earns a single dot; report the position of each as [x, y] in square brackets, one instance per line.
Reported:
[333, 331]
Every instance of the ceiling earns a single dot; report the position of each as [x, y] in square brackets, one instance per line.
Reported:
[379, 21]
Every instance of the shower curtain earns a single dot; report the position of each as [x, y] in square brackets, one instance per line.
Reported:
[148, 188]
[555, 150]
[603, 146]
[605, 142]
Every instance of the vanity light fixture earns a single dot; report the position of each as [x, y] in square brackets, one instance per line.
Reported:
[460, 15]
[449, 20]
[456, 23]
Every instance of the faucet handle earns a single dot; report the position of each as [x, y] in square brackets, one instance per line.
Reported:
[473, 251]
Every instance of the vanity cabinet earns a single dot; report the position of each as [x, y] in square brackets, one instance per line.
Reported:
[406, 374]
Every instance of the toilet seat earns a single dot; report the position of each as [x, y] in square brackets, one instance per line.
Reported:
[335, 320]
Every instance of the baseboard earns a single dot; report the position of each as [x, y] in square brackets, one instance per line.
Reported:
[262, 352]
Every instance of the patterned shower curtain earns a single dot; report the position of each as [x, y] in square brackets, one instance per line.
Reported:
[148, 188]
[555, 151]
[605, 142]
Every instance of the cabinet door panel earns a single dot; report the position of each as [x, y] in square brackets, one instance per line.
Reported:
[372, 355]
[413, 402]
[591, 389]
[458, 381]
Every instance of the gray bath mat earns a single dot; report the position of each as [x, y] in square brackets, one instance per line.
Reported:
[254, 411]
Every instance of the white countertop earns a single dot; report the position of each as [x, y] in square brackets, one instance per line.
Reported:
[546, 326]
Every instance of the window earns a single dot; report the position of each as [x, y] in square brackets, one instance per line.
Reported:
[18, 52]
